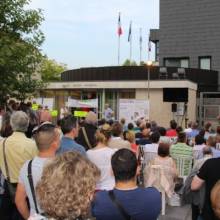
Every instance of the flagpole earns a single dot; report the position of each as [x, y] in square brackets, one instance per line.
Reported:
[118, 50]
[130, 42]
[119, 35]
[140, 45]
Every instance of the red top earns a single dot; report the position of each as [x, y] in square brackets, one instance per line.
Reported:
[171, 133]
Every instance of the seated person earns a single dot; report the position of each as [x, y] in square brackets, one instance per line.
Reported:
[145, 134]
[198, 147]
[171, 132]
[168, 165]
[138, 203]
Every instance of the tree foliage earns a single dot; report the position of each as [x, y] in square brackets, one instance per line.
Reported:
[51, 70]
[20, 56]
[129, 63]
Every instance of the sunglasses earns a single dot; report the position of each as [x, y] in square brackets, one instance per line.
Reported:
[45, 126]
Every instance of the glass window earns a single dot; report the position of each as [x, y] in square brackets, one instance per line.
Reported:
[205, 63]
[184, 63]
[177, 62]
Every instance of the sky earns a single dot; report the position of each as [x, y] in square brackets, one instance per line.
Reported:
[83, 33]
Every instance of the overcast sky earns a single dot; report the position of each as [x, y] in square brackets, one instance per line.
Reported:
[83, 33]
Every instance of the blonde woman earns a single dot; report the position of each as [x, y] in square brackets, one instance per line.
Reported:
[101, 157]
[66, 188]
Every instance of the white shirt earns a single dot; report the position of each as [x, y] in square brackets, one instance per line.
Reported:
[101, 157]
[37, 168]
[153, 148]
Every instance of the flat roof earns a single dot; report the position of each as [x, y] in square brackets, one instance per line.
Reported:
[135, 84]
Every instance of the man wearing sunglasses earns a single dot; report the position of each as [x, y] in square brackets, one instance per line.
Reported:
[47, 139]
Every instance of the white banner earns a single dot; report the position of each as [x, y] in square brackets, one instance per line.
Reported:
[132, 109]
[88, 103]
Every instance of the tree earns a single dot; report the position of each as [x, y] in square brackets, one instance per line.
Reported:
[51, 70]
[20, 39]
[129, 63]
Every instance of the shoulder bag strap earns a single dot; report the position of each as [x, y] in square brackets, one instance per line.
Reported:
[5, 161]
[30, 179]
[86, 137]
[121, 209]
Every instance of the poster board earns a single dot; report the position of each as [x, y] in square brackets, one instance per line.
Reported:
[132, 109]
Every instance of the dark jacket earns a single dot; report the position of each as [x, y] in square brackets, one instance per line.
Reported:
[193, 197]
[90, 131]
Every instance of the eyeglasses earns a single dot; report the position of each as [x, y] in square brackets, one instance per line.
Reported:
[45, 126]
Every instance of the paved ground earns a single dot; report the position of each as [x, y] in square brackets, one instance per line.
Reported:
[177, 213]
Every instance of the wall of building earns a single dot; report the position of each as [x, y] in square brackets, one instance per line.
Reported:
[161, 111]
[190, 28]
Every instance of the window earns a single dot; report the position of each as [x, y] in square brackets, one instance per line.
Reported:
[177, 62]
[205, 63]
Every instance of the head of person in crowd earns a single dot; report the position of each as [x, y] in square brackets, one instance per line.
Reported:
[6, 129]
[207, 151]
[145, 131]
[124, 165]
[215, 199]
[117, 129]
[91, 118]
[202, 132]
[179, 129]
[162, 131]
[23, 107]
[211, 142]
[103, 134]
[155, 137]
[173, 124]
[69, 126]
[63, 192]
[138, 122]
[163, 150]
[122, 121]
[182, 137]
[129, 136]
[101, 122]
[47, 137]
[208, 126]
[19, 121]
[154, 126]
[130, 126]
[110, 122]
[195, 125]
[40, 107]
[199, 139]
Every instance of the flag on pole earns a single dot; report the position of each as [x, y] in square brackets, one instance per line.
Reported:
[129, 33]
[140, 39]
[119, 25]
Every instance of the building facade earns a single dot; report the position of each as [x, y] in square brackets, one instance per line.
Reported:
[189, 34]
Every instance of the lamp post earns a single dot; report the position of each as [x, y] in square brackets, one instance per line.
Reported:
[149, 64]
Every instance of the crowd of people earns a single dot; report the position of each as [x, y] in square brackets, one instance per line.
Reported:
[103, 169]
